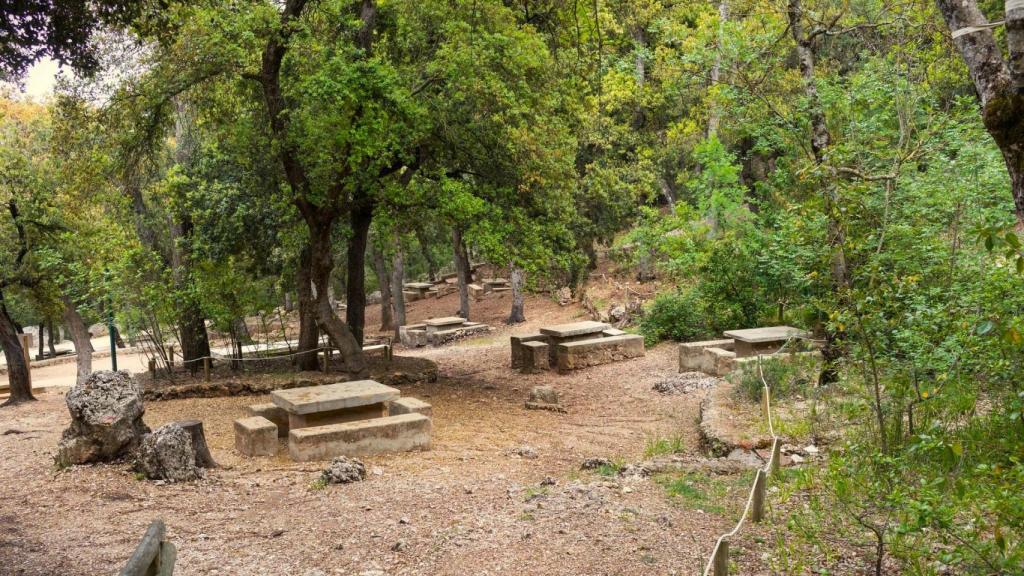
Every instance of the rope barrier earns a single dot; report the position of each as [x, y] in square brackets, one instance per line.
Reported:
[717, 564]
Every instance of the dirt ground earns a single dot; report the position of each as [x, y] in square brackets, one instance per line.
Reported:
[470, 505]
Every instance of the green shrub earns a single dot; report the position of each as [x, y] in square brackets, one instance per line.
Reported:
[787, 377]
[681, 316]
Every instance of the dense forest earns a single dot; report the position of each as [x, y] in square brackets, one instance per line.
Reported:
[853, 168]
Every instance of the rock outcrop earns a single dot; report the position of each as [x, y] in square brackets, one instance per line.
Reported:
[106, 419]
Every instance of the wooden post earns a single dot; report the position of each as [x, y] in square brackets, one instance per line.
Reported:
[153, 555]
[170, 356]
[757, 512]
[26, 345]
[152, 366]
[206, 368]
[776, 457]
[720, 563]
[764, 404]
[327, 359]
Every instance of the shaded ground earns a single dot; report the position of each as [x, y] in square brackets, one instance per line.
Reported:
[469, 506]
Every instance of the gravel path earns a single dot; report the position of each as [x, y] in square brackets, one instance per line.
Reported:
[469, 506]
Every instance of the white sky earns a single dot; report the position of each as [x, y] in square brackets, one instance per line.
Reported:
[40, 80]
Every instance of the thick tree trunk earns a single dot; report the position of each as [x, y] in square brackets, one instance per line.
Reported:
[17, 369]
[80, 336]
[380, 269]
[517, 315]
[321, 263]
[464, 274]
[309, 334]
[398, 281]
[355, 289]
[42, 341]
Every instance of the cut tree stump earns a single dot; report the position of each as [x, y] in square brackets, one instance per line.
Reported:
[199, 447]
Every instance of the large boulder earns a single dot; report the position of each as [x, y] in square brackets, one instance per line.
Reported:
[106, 419]
[167, 454]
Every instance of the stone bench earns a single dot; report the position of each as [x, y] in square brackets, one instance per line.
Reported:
[517, 347]
[383, 349]
[583, 353]
[443, 337]
[399, 433]
[535, 357]
[334, 403]
[409, 406]
[693, 359]
[255, 436]
[613, 332]
[274, 413]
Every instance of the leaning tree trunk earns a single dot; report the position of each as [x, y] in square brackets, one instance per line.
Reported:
[50, 343]
[999, 83]
[321, 263]
[355, 289]
[462, 270]
[80, 336]
[398, 281]
[517, 315]
[309, 334]
[17, 369]
[380, 269]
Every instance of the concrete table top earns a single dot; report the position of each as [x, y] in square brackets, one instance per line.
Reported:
[312, 399]
[768, 334]
[419, 285]
[446, 321]
[574, 329]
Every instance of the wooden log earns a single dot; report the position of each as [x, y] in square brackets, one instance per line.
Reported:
[168, 554]
[145, 560]
[152, 366]
[206, 368]
[199, 448]
[760, 485]
[776, 457]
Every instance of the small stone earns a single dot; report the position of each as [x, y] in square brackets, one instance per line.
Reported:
[403, 520]
[548, 481]
[796, 458]
[398, 546]
[527, 452]
[812, 449]
[376, 471]
[276, 533]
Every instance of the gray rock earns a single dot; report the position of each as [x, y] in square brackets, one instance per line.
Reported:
[527, 452]
[167, 454]
[543, 395]
[106, 419]
[344, 470]
[594, 463]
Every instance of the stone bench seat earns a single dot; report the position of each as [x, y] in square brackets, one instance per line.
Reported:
[517, 342]
[595, 351]
[398, 433]
[692, 357]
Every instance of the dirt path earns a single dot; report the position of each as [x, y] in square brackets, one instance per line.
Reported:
[469, 506]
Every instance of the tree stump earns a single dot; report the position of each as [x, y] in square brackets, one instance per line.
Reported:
[199, 447]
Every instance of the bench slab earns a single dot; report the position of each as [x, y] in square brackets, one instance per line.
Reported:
[584, 353]
[332, 397]
[399, 433]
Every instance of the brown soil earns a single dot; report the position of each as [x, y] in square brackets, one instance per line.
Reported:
[468, 506]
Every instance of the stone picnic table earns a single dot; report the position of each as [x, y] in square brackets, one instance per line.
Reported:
[571, 332]
[768, 340]
[334, 403]
[421, 288]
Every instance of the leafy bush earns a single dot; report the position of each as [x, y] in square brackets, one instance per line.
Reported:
[681, 316]
[787, 377]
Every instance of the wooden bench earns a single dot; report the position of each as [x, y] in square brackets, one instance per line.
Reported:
[384, 349]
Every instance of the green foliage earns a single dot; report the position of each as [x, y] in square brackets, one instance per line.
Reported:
[657, 446]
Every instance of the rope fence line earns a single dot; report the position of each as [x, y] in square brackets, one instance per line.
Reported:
[718, 562]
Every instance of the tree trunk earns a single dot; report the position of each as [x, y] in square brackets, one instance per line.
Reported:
[997, 82]
[421, 238]
[288, 304]
[42, 341]
[398, 281]
[464, 275]
[50, 339]
[80, 336]
[380, 269]
[832, 352]
[200, 450]
[355, 289]
[309, 334]
[517, 316]
[340, 334]
[17, 369]
[715, 115]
